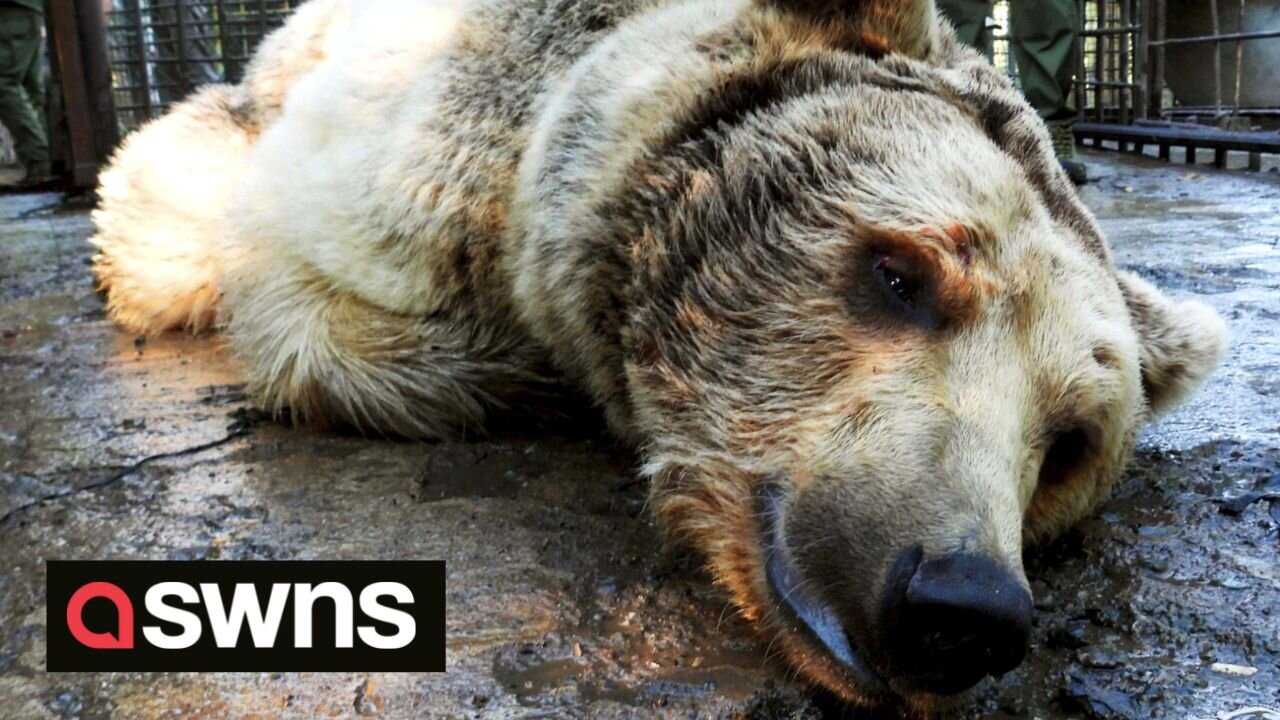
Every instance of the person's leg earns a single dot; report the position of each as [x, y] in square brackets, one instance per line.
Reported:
[33, 81]
[1045, 43]
[19, 61]
[969, 17]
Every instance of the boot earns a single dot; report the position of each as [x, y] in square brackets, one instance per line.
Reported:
[1064, 146]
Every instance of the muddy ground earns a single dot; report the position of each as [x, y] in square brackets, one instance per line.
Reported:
[1165, 604]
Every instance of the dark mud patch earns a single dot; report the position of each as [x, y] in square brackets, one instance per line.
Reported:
[512, 470]
[1161, 605]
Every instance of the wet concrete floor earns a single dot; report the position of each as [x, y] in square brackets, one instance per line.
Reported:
[1165, 604]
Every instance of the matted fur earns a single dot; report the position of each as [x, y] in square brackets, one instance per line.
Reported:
[683, 205]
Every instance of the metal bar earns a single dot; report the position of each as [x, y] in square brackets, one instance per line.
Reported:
[254, 23]
[140, 39]
[230, 71]
[1141, 59]
[262, 18]
[1125, 96]
[1100, 60]
[1239, 58]
[91, 30]
[1076, 87]
[71, 77]
[1111, 31]
[1217, 59]
[189, 58]
[1107, 83]
[1185, 135]
[1244, 111]
[1157, 79]
[1224, 37]
[179, 14]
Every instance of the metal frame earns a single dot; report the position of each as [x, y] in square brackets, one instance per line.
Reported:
[161, 50]
[1120, 95]
[84, 134]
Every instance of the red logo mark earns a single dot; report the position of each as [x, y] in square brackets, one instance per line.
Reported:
[123, 639]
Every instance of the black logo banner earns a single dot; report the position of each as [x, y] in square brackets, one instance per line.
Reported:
[286, 615]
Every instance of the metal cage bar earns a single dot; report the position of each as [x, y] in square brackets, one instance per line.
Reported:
[161, 50]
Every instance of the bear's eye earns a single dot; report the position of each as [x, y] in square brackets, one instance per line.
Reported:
[897, 282]
[1066, 453]
[895, 287]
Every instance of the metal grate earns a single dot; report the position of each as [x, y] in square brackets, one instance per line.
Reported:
[1105, 85]
[1107, 88]
[161, 50]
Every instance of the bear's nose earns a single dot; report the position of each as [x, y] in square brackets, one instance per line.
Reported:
[958, 619]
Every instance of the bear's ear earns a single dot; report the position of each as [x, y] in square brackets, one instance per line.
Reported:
[1179, 343]
[907, 27]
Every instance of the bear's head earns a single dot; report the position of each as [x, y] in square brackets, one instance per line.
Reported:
[878, 345]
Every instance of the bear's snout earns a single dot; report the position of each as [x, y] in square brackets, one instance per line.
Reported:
[940, 617]
[949, 621]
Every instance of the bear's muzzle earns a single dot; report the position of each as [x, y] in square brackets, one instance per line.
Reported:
[936, 625]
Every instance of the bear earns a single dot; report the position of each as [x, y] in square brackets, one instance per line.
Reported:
[814, 260]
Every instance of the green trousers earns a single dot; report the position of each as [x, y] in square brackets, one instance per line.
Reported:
[1044, 40]
[22, 86]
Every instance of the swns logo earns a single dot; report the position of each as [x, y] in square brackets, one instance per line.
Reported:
[269, 615]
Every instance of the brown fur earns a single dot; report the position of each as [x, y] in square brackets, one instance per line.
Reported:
[811, 251]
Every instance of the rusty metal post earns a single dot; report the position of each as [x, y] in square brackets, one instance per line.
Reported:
[91, 23]
[1217, 61]
[1239, 58]
[63, 35]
